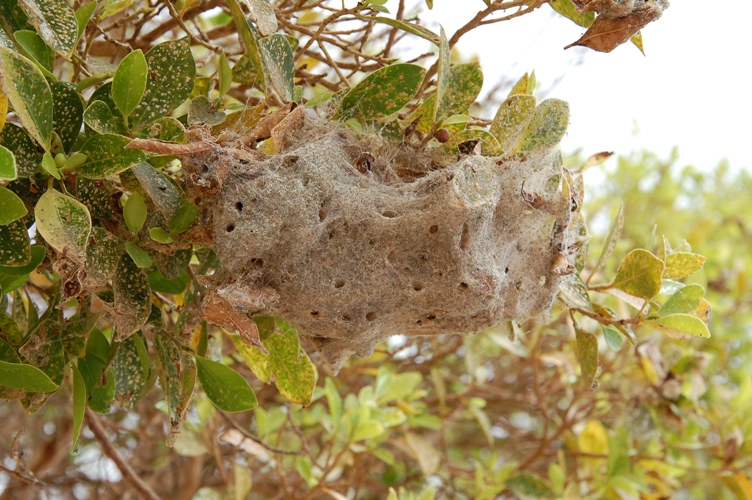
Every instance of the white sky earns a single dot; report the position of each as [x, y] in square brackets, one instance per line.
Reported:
[689, 91]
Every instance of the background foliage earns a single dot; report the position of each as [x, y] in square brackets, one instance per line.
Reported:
[607, 400]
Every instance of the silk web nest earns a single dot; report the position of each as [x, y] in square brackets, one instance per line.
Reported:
[352, 238]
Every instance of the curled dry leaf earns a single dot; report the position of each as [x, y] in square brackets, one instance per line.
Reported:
[608, 32]
[218, 310]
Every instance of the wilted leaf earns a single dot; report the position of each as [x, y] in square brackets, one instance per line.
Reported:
[15, 249]
[10, 331]
[98, 116]
[587, 352]
[201, 111]
[510, 117]
[255, 358]
[464, 82]
[27, 89]
[12, 207]
[683, 301]
[106, 155]
[177, 384]
[79, 404]
[68, 113]
[679, 265]
[55, 21]
[171, 74]
[279, 64]
[129, 82]
[606, 33]
[545, 128]
[263, 14]
[131, 370]
[383, 92]
[225, 387]
[611, 240]
[567, 9]
[414, 29]
[132, 298]
[294, 374]
[680, 326]
[639, 274]
[64, 223]
[574, 292]
[25, 377]
[168, 129]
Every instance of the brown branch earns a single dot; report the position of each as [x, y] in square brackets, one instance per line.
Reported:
[112, 453]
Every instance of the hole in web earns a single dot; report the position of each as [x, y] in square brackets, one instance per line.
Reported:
[314, 314]
[463, 286]
[239, 206]
[433, 229]
[417, 286]
[339, 283]
[371, 316]
[257, 263]
[389, 214]
[465, 237]
[230, 228]
[346, 317]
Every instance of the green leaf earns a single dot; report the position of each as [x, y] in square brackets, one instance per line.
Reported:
[26, 377]
[68, 113]
[679, 265]
[295, 375]
[522, 86]
[140, 257]
[528, 486]
[683, 301]
[100, 399]
[83, 16]
[93, 363]
[225, 387]
[10, 330]
[639, 274]
[464, 82]
[510, 116]
[610, 243]
[175, 286]
[172, 266]
[160, 235]
[201, 111]
[106, 155]
[27, 89]
[18, 142]
[129, 82]
[442, 76]
[613, 338]
[64, 223]
[38, 253]
[55, 21]
[382, 93]
[135, 212]
[79, 404]
[49, 166]
[225, 75]
[15, 249]
[112, 7]
[37, 50]
[262, 13]
[98, 116]
[11, 206]
[97, 196]
[680, 326]
[567, 9]
[131, 370]
[587, 352]
[184, 218]
[7, 164]
[172, 71]
[132, 298]
[546, 127]
[278, 60]
[319, 99]
[413, 29]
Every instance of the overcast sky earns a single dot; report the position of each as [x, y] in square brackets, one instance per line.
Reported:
[690, 91]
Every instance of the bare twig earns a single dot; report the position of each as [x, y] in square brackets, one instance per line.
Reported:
[112, 453]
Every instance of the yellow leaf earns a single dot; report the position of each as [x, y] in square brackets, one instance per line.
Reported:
[593, 439]
[3, 109]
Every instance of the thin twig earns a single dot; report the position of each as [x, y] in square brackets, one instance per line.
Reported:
[112, 453]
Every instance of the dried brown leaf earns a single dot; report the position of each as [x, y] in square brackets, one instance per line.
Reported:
[606, 33]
